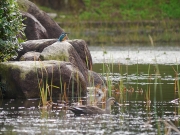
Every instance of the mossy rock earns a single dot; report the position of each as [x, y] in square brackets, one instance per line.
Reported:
[25, 79]
[53, 30]
[24, 5]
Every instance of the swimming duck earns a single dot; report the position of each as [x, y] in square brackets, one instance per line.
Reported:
[63, 37]
[89, 110]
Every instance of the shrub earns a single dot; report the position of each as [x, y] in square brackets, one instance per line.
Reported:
[10, 26]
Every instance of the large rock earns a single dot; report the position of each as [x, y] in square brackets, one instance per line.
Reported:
[70, 68]
[53, 30]
[38, 46]
[30, 56]
[82, 49]
[64, 51]
[34, 45]
[34, 30]
[74, 51]
[24, 79]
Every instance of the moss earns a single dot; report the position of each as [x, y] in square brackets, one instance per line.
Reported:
[13, 73]
[61, 57]
[23, 5]
[6, 67]
[6, 80]
[3, 71]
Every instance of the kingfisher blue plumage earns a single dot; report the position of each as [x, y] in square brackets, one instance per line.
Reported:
[63, 36]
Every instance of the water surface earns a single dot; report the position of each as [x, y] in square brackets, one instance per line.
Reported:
[149, 98]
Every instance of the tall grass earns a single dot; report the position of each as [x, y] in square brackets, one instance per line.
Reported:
[44, 88]
[147, 91]
[176, 86]
[45, 84]
[157, 81]
[121, 86]
[137, 78]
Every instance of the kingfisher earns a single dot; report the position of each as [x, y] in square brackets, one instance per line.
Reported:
[63, 36]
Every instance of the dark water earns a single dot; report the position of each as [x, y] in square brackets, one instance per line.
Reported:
[149, 101]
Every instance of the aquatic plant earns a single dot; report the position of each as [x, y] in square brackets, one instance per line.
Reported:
[44, 89]
[121, 87]
[148, 90]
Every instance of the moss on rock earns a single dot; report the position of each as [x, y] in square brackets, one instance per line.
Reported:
[23, 5]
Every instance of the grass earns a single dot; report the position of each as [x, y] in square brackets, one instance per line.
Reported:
[115, 10]
[44, 88]
[130, 10]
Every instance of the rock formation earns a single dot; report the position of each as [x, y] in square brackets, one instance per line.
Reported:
[46, 63]
[38, 23]
[58, 65]
[24, 79]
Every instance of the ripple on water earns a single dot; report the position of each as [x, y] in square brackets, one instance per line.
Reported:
[134, 117]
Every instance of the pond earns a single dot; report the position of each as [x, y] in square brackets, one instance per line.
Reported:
[143, 80]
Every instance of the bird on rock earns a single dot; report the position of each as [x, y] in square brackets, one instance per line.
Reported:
[90, 110]
[63, 36]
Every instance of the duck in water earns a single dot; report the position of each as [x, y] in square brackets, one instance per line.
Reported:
[90, 110]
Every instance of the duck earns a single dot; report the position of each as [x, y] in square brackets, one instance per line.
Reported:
[92, 110]
[63, 37]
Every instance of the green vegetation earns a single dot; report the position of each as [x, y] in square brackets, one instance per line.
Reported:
[117, 10]
[10, 26]
[130, 10]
